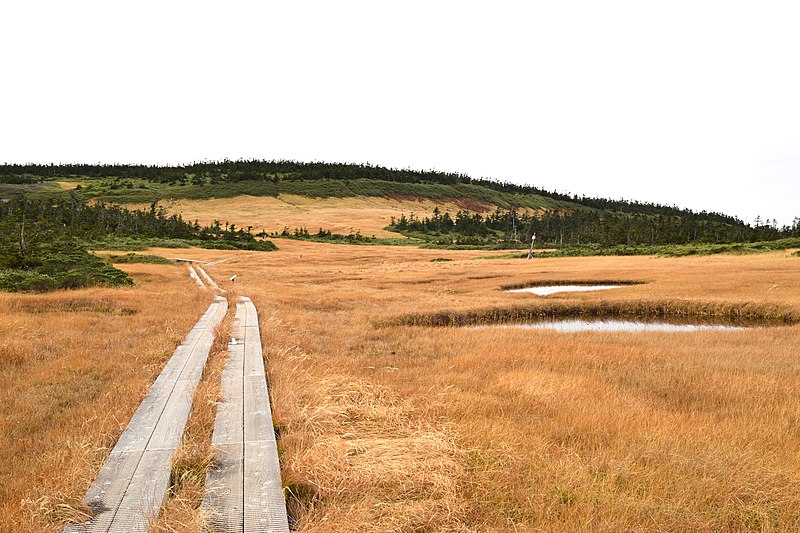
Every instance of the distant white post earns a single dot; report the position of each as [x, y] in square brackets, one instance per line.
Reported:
[530, 252]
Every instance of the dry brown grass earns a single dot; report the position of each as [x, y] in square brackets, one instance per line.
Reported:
[74, 366]
[446, 429]
[449, 429]
[369, 215]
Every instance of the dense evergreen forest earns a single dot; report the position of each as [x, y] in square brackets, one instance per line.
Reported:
[598, 227]
[274, 172]
[43, 243]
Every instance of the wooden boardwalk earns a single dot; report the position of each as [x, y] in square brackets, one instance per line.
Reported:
[196, 278]
[132, 485]
[243, 488]
[209, 281]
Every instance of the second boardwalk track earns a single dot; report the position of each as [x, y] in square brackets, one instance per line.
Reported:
[243, 487]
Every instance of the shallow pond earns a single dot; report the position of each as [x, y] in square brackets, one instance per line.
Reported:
[552, 289]
[576, 325]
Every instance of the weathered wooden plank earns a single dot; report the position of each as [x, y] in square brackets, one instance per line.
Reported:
[132, 485]
[257, 412]
[144, 421]
[209, 280]
[146, 492]
[241, 314]
[111, 484]
[196, 278]
[264, 506]
[228, 425]
[169, 429]
[223, 502]
[251, 314]
[253, 358]
[245, 393]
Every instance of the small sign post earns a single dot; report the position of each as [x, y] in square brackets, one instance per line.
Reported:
[530, 252]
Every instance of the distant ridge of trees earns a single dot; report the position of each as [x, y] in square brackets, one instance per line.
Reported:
[276, 170]
[582, 227]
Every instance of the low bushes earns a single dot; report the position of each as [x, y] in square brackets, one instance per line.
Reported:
[52, 271]
[138, 258]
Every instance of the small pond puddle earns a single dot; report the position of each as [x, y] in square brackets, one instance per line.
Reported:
[553, 289]
[577, 325]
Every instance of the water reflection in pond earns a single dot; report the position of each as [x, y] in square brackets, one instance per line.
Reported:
[576, 325]
[552, 289]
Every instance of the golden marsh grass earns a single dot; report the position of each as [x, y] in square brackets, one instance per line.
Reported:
[74, 366]
[409, 428]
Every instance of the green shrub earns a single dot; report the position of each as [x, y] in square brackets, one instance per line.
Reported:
[26, 281]
[138, 258]
[73, 270]
[130, 244]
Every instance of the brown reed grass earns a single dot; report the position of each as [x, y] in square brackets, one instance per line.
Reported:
[74, 366]
[562, 282]
[456, 429]
[682, 310]
[448, 429]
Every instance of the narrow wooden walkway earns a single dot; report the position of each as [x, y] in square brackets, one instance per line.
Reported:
[243, 488]
[132, 485]
[196, 278]
[209, 281]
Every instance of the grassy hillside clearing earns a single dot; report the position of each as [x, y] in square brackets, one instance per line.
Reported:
[369, 215]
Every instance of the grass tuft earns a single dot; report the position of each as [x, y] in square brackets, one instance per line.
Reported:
[683, 310]
[561, 282]
[52, 510]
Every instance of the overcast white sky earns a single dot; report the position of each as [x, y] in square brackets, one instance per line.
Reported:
[689, 103]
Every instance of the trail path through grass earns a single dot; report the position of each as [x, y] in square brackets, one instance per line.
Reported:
[208, 279]
[133, 484]
[196, 278]
[243, 488]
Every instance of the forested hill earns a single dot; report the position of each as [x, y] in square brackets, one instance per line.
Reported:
[147, 183]
[517, 210]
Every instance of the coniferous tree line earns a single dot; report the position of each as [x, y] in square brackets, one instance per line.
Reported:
[93, 222]
[214, 172]
[583, 226]
[40, 252]
[43, 243]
